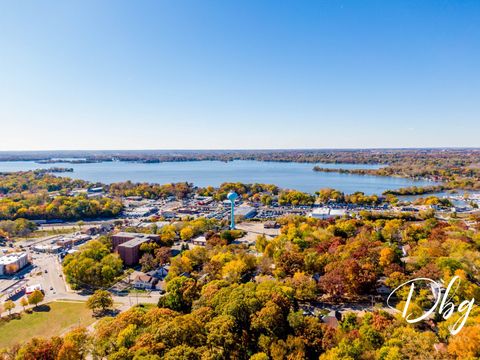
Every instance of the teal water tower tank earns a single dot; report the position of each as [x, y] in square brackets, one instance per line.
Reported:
[232, 196]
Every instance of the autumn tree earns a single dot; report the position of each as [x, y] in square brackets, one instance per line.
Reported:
[148, 262]
[24, 302]
[181, 292]
[36, 297]
[101, 299]
[9, 305]
[93, 265]
[162, 255]
[186, 233]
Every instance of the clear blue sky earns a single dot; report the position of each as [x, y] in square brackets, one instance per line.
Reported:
[274, 74]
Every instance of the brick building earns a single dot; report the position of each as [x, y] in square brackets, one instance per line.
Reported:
[127, 245]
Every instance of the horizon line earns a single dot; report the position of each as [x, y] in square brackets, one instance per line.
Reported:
[251, 149]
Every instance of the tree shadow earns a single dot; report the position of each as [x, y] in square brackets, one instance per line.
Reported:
[41, 308]
[85, 292]
[106, 312]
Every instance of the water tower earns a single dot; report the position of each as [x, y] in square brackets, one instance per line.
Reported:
[232, 196]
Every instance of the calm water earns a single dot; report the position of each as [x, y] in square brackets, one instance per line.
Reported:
[203, 173]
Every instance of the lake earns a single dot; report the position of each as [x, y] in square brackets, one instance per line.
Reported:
[289, 175]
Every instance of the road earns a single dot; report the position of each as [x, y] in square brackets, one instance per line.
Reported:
[48, 273]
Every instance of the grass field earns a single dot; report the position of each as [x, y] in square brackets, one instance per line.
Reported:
[43, 233]
[52, 319]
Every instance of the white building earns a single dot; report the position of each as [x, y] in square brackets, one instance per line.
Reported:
[30, 289]
[245, 211]
[11, 263]
[327, 213]
[144, 281]
[200, 241]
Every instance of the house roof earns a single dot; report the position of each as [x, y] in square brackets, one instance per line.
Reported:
[144, 278]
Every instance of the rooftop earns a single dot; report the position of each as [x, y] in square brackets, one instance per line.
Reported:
[134, 242]
[136, 235]
[10, 258]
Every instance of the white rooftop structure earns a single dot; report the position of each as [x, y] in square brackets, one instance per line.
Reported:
[327, 213]
[12, 258]
[11, 263]
[30, 289]
[200, 241]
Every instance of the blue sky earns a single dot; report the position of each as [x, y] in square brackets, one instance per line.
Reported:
[239, 74]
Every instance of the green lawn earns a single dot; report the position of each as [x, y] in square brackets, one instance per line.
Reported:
[61, 316]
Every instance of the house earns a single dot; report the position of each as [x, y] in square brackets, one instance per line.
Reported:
[270, 225]
[440, 347]
[203, 279]
[91, 230]
[437, 290]
[160, 273]
[161, 287]
[200, 241]
[406, 249]
[145, 282]
[382, 288]
[333, 318]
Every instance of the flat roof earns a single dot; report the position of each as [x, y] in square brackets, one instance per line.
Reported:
[322, 211]
[135, 235]
[199, 239]
[127, 234]
[10, 258]
[244, 210]
[134, 242]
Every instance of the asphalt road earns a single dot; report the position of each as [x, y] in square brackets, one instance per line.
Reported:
[48, 273]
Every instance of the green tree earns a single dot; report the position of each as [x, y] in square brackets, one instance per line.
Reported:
[35, 297]
[221, 334]
[93, 265]
[9, 306]
[180, 294]
[101, 299]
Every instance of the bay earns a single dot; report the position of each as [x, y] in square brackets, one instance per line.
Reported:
[299, 176]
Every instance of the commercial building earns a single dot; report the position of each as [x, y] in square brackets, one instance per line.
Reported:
[52, 249]
[327, 213]
[159, 224]
[11, 263]
[69, 241]
[32, 288]
[246, 212]
[130, 251]
[123, 237]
